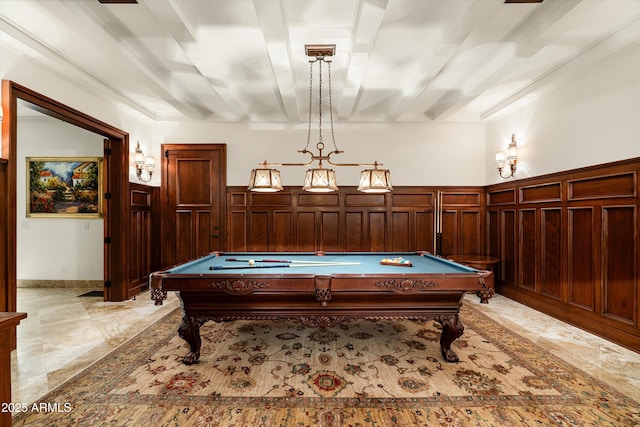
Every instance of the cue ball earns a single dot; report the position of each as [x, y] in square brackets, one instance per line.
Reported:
[251, 262]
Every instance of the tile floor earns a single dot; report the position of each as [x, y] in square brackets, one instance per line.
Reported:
[64, 334]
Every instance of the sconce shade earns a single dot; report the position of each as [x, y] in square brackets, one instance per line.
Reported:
[375, 181]
[500, 157]
[265, 180]
[320, 181]
[150, 163]
[139, 157]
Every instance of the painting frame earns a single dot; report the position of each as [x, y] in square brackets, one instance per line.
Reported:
[64, 187]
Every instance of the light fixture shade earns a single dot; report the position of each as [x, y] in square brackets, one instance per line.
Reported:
[500, 157]
[320, 181]
[265, 180]
[139, 157]
[150, 163]
[375, 181]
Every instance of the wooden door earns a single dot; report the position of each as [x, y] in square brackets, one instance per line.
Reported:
[194, 201]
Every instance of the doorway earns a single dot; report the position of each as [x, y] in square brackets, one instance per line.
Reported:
[116, 204]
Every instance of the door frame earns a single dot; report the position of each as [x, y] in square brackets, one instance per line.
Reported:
[116, 205]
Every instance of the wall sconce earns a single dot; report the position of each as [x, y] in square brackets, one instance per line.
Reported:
[144, 164]
[509, 158]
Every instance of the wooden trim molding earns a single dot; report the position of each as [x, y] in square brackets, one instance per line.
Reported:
[116, 208]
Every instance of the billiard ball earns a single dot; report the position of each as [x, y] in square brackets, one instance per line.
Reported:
[251, 262]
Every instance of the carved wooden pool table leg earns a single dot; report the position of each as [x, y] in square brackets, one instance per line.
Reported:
[189, 330]
[452, 329]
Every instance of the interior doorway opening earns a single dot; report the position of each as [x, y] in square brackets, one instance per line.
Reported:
[116, 204]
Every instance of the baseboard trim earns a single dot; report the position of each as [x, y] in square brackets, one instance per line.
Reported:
[67, 284]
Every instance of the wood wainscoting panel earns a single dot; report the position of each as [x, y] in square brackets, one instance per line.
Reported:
[528, 238]
[282, 230]
[359, 199]
[258, 231]
[550, 192]
[306, 232]
[620, 275]
[471, 227]
[509, 253]
[495, 245]
[582, 268]
[237, 199]
[423, 231]
[608, 186]
[354, 232]
[377, 231]
[551, 252]
[237, 241]
[347, 220]
[457, 198]
[307, 199]
[399, 199]
[144, 228]
[400, 230]
[279, 200]
[576, 253]
[450, 231]
[330, 230]
[501, 197]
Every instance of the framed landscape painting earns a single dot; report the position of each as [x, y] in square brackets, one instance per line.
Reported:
[64, 187]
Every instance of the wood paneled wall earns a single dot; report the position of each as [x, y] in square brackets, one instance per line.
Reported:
[347, 220]
[570, 246]
[145, 236]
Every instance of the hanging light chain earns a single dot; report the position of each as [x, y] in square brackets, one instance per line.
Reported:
[333, 136]
[311, 61]
[320, 61]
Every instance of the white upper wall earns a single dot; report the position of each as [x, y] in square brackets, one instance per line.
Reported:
[592, 118]
[416, 153]
[56, 248]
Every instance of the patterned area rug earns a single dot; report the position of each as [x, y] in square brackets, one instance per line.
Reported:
[370, 373]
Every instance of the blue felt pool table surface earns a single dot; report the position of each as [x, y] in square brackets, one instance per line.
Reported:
[364, 263]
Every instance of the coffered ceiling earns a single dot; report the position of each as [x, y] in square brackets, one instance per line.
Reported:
[244, 60]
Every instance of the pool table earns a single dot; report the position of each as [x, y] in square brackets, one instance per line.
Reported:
[319, 290]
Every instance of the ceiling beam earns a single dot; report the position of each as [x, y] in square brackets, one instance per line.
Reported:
[503, 58]
[274, 28]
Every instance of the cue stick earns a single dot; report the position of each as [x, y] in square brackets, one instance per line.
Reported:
[233, 267]
[289, 261]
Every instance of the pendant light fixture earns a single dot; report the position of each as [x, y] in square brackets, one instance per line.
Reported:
[319, 179]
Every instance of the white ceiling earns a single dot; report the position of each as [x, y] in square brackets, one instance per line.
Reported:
[244, 60]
